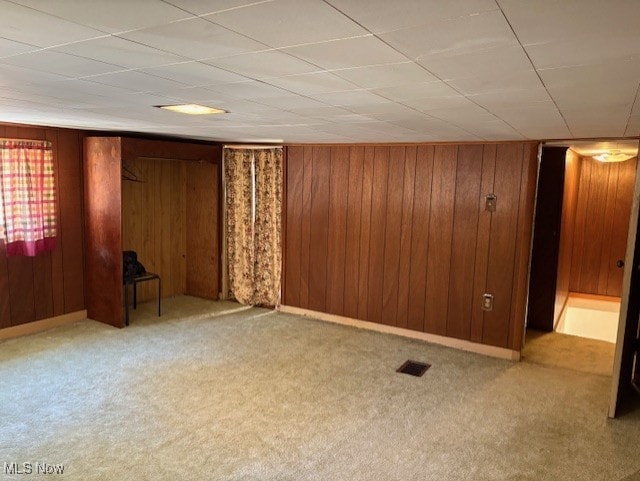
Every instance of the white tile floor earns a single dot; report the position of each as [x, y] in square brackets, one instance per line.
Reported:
[590, 318]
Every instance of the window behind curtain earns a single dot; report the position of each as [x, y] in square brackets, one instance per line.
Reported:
[27, 197]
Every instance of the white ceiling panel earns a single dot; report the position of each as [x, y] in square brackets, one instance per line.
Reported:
[390, 75]
[284, 23]
[26, 25]
[195, 39]
[60, 63]
[111, 16]
[464, 34]
[250, 89]
[194, 73]
[10, 47]
[348, 53]
[203, 7]
[380, 16]
[422, 90]
[119, 51]
[265, 64]
[517, 80]
[350, 97]
[493, 62]
[312, 83]
[316, 70]
[133, 80]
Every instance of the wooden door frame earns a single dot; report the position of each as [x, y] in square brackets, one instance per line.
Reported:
[617, 388]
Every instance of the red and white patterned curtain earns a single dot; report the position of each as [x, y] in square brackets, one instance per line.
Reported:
[27, 197]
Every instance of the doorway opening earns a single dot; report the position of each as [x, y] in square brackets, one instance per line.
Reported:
[584, 201]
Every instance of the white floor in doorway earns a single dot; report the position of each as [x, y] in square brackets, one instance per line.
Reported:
[593, 318]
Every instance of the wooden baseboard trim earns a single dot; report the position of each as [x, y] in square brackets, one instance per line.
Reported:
[463, 345]
[593, 297]
[42, 325]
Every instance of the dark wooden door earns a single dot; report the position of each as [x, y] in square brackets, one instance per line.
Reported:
[546, 239]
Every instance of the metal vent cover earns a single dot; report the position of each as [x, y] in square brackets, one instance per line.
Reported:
[414, 368]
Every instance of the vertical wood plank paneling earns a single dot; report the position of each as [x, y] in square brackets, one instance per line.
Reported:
[163, 228]
[399, 235]
[202, 230]
[524, 235]
[295, 172]
[305, 235]
[337, 232]
[71, 214]
[482, 243]
[365, 232]
[439, 253]
[620, 227]
[102, 172]
[420, 237]
[502, 243]
[354, 225]
[20, 269]
[580, 225]
[5, 300]
[57, 281]
[573, 164]
[178, 224]
[393, 232]
[320, 192]
[593, 230]
[404, 269]
[607, 228]
[378, 233]
[465, 226]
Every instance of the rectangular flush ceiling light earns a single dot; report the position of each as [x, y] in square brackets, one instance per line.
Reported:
[192, 109]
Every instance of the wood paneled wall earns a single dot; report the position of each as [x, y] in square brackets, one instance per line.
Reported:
[399, 235]
[603, 209]
[573, 164]
[170, 219]
[52, 283]
[154, 222]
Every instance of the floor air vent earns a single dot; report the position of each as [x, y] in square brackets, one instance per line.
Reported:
[414, 368]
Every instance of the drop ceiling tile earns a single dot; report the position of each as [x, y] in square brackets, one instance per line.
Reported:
[250, 90]
[322, 113]
[111, 16]
[512, 98]
[383, 16]
[381, 110]
[347, 53]
[350, 97]
[517, 80]
[494, 61]
[26, 25]
[291, 101]
[195, 74]
[119, 51]
[312, 83]
[414, 91]
[11, 75]
[265, 64]
[133, 80]
[204, 7]
[60, 63]
[390, 75]
[438, 103]
[633, 126]
[465, 34]
[495, 129]
[284, 23]
[9, 47]
[194, 39]
[550, 21]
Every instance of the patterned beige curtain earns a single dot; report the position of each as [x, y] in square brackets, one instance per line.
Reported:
[253, 180]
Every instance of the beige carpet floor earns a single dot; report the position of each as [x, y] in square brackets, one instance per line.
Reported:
[212, 392]
[569, 352]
